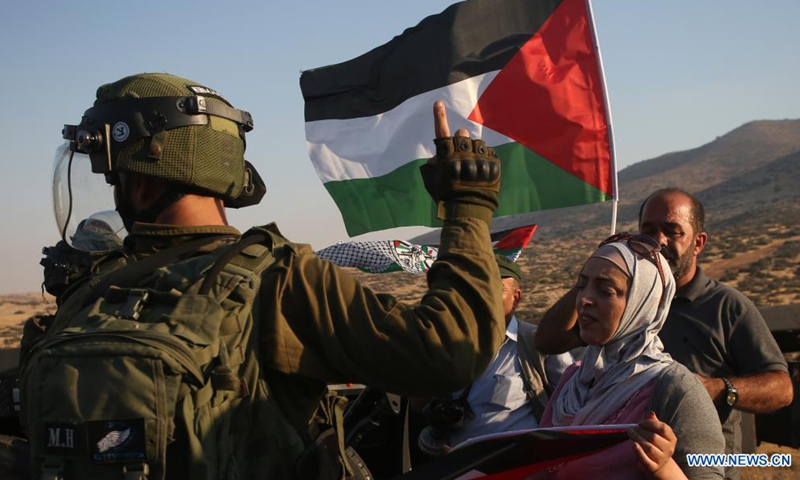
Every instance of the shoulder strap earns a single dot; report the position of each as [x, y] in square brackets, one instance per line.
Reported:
[534, 376]
[133, 272]
[250, 238]
[126, 276]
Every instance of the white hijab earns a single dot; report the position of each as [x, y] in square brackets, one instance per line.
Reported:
[611, 374]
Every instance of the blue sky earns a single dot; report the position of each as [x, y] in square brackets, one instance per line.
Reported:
[679, 73]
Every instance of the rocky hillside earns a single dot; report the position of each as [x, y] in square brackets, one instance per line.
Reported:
[753, 166]
[749, 182]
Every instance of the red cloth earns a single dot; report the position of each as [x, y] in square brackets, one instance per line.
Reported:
[619, 461]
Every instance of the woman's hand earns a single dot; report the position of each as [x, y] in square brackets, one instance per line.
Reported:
[655, 442]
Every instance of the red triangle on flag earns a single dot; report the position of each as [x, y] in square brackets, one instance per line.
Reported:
[515, 239]
[549, 98]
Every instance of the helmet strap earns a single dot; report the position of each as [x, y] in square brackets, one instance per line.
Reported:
[126, 211]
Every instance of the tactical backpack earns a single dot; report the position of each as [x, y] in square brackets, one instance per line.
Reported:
[150, 371]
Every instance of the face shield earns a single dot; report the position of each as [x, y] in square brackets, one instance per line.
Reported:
[83, 204]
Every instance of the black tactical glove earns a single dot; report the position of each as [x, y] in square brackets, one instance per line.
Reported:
[465, 170]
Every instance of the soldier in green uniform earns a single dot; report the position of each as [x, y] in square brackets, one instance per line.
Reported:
[172, 151]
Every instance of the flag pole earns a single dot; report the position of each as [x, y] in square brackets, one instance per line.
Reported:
[614, 216]
[612, 148]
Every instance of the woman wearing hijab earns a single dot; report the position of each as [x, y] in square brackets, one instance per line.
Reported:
[624, 293]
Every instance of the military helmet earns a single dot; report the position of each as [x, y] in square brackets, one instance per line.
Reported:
[173, 129]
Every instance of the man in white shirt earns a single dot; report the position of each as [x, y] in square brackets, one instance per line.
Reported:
[511, 394]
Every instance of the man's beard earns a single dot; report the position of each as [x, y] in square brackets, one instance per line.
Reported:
[682, 265]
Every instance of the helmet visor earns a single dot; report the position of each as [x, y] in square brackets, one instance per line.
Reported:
[83, 204]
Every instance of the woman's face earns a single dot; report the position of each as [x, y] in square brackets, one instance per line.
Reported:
[602, 296]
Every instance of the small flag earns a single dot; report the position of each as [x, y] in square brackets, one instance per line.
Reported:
[384, 256]
[523, 75]
[511, 242]
[381, 256]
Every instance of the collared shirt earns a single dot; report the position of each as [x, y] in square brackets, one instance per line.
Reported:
[498, 398]
[149, 238]
[716, 331]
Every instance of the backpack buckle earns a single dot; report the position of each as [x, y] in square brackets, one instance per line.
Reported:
[139, 471]
[52, 470]
[133, 306]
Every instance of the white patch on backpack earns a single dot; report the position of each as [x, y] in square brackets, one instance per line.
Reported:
[117, 440]
[120, 131]
[59, 437]
[64, 439]
[113, 439]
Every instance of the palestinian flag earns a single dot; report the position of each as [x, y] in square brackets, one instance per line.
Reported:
[511, 242]
[381, 256]
[523, 75]
[385, 256]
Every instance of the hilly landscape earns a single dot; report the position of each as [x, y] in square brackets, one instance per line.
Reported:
[748, 180]
[749, 183]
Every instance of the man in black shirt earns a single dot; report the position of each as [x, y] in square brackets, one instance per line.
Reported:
[713, 329]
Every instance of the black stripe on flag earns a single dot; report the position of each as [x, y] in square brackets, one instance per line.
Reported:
[467, 39]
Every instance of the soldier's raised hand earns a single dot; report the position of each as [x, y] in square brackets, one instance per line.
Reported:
[462, 168]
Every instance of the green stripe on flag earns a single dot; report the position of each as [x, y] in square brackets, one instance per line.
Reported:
[399, 197]
[396, 199]
[531, 183]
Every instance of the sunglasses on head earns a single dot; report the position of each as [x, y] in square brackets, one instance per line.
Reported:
[645, 247]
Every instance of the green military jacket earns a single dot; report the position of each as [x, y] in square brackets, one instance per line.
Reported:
[316, 324]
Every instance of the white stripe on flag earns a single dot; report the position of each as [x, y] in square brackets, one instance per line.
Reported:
[374, 146]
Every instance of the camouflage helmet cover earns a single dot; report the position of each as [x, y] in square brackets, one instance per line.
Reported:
[208, 157]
